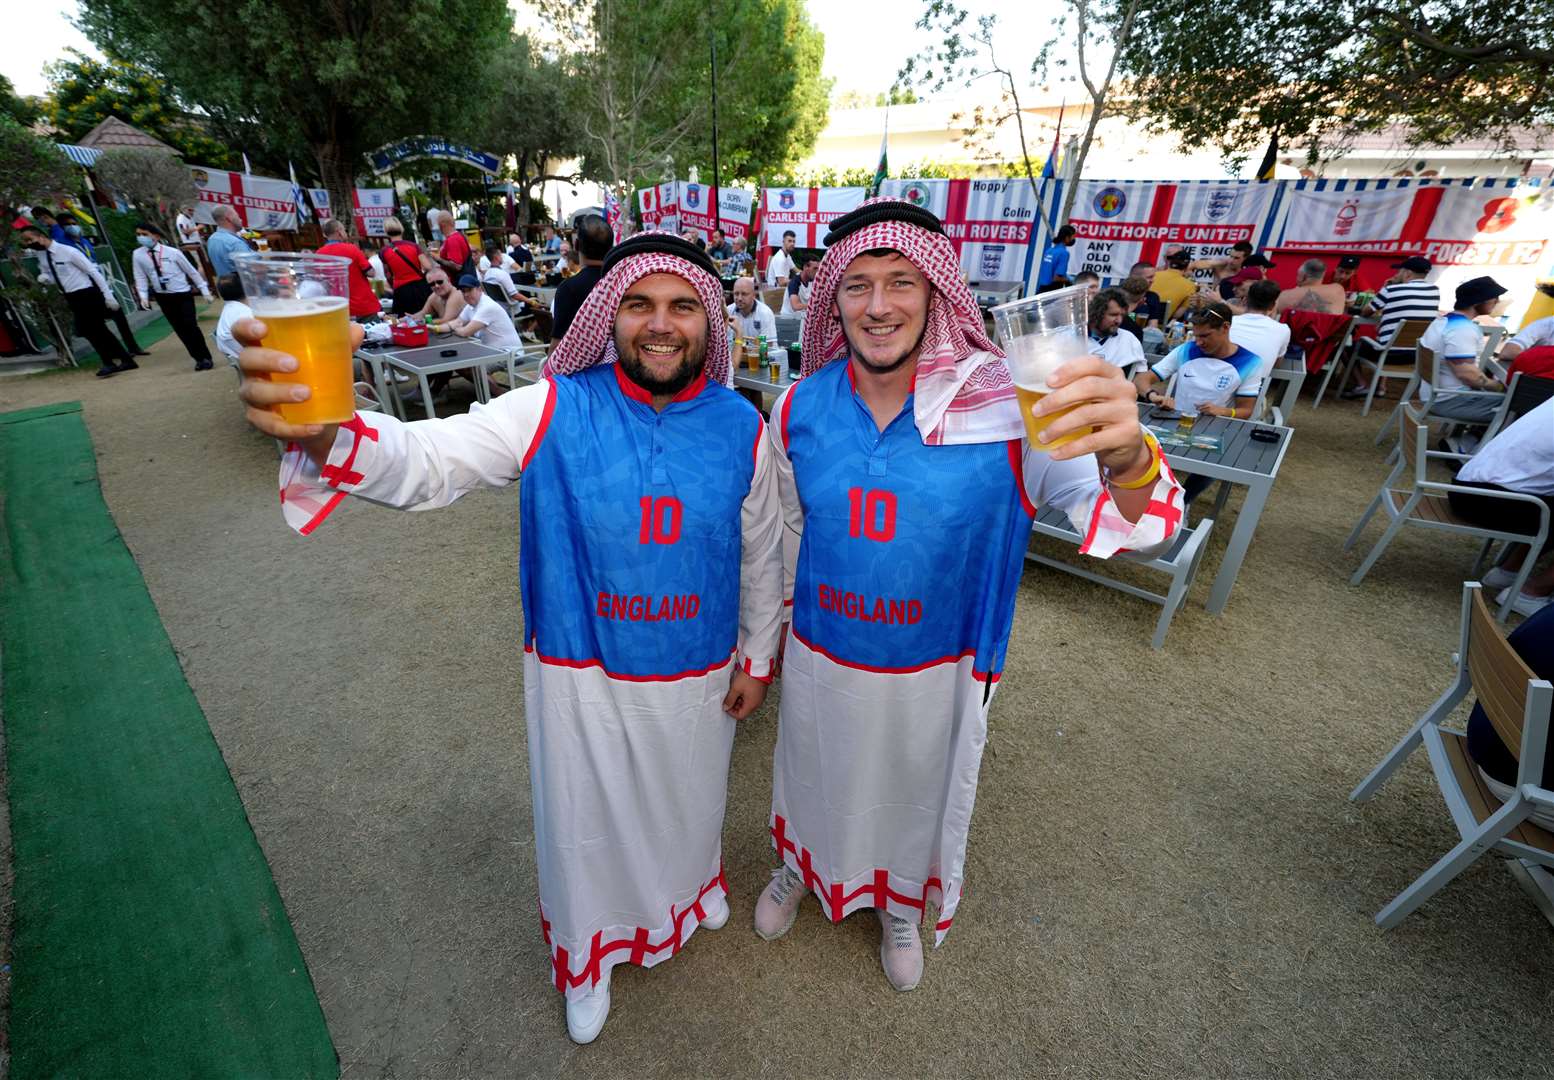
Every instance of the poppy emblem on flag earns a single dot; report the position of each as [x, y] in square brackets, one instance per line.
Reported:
[1109, 202]
[1221, 202]
[692, 196]
[785, 199]
[916, 194]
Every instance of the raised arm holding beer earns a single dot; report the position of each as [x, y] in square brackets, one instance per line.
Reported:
[909, 487]
[652, 584]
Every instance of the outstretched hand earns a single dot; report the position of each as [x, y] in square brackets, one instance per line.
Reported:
[261, 389]
[1104, 401]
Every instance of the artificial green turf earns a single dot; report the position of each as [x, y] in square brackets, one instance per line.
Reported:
[148, 936]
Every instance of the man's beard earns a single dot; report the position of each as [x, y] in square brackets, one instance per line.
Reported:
[677, 380]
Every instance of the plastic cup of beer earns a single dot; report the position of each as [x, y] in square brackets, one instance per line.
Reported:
[303, 302]
[1039, 335]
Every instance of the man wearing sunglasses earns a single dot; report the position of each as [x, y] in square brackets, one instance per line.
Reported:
[445, 302]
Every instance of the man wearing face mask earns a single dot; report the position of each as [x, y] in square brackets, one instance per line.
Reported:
[164, 272]
[69, 231]
[87, 294]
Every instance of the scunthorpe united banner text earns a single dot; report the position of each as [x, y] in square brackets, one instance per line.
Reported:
[260, 201]
[734, 208]
[807, 211]
[991, 222]
[1118, 224]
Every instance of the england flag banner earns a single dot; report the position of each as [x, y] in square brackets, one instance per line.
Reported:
[991, 222]
[371, 206]
[807, 211]
[1121, 222]
[261, 202]
[319, 197]
[1466, 228]
[734, 206]
[660, 207]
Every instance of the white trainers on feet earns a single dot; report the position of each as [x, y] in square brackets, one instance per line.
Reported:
[1525, 604]
[779, 904]
[901, 951]
[586, 1014]
[1498, 579]
[717, 913]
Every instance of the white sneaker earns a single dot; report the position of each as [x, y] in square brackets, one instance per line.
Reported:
[586, 1014]
[901, 951]
[779, 904]
[1498, 578]
[1524, 604]
[717, 913]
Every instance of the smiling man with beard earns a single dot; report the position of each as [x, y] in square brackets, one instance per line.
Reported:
[651, 579]
[908, 494]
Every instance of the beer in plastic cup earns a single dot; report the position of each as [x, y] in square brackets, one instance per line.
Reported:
[1039, 335]
[303, 302]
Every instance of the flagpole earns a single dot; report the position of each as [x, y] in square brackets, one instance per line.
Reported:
[712, 44]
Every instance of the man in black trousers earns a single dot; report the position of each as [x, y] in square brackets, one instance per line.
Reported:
[86, 292]
[164, 272]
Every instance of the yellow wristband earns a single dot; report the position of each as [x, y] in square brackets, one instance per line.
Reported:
[1151, 474]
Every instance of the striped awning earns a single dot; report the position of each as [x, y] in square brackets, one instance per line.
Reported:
[83, 156]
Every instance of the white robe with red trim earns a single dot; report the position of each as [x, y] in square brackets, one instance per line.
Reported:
[900, 752]
[635, 769]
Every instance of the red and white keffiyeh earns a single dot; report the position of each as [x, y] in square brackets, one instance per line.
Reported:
[590, 339]
[963, 392]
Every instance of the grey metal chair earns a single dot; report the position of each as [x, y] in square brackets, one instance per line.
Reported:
[1409, 497]
[1179, 562]
[1518, 705]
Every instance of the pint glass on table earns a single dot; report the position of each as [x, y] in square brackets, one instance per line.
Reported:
[302, 301]
[1039, 335]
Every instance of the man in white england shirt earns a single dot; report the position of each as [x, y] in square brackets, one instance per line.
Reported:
[749, 314]
[782, 264]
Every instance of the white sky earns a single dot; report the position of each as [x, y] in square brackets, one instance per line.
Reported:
[866, 40]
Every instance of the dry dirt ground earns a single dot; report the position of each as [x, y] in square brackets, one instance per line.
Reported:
[1165, 877]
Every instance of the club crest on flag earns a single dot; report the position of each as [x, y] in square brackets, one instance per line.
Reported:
[1343, 221]
[692, 196]
[916, 194]
[201, 177]
[992, 261]
[1110, 202]
[1221, 202]
[785, 199]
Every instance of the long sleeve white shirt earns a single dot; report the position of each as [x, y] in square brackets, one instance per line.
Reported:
[165, 269]
[71, 270]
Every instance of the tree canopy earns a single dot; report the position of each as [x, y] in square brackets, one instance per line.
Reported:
[84, 91]
[1231, 77]
[12, 105]
[324, 78]
[643, 70]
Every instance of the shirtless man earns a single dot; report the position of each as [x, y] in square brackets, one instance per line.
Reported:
[1309, 294]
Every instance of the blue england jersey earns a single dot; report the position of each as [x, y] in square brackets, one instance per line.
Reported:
[911, 554]
[630, 520]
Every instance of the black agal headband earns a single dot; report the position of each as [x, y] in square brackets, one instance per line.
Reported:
[661, 243]
[875, 212]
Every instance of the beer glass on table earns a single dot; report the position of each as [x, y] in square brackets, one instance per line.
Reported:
[303, 302]
[1039, 335]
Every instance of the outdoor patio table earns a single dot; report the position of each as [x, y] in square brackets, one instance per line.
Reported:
[427, 360]
[755, 383]
[1240, 460]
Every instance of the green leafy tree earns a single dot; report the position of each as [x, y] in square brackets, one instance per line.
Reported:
[527, 118]
[312, 75]
[1234, 78]
[32, 170]
[154, 180]
[84, 91]
[24, 110]
[643, 72]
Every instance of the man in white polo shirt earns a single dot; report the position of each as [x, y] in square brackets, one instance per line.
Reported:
[1108, 309]
[1456, 341]
[749, 313]
[1520, 459]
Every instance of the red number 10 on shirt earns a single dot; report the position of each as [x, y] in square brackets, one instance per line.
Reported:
[660, 520]
[872, 514]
